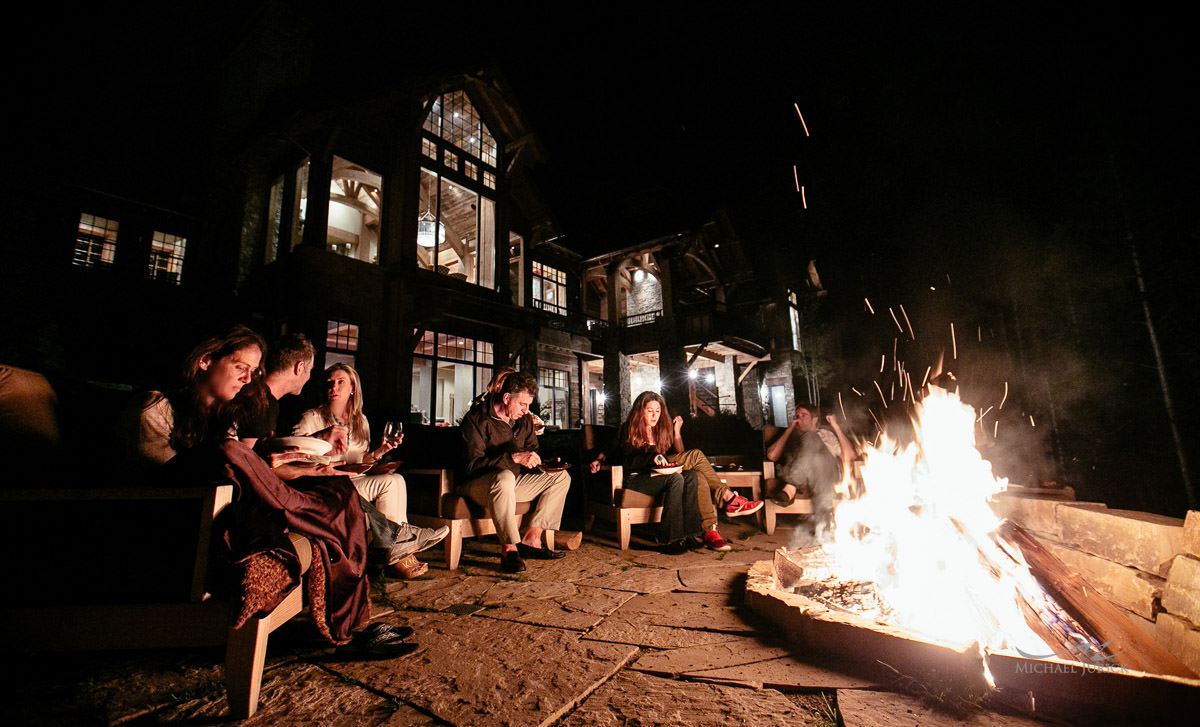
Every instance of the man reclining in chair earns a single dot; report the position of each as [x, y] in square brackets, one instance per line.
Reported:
[812, 459]
[503, 468]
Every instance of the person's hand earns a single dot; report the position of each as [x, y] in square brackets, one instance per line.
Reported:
[529, 460]
[678, 422]
[660, 460]
[832, 419]
[594, 467]
[386, 446]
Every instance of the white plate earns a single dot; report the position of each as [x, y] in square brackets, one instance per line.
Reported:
[668, 470]
[307, 445]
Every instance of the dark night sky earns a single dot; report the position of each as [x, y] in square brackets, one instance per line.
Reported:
[957, 142]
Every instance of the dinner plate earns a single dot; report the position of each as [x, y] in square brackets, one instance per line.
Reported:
[307, 445]
[556, 467]
[668, 470]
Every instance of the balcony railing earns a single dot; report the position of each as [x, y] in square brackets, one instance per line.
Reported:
[641, 319]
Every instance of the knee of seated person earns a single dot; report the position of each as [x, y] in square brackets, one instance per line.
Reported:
[505, 481]
[561, 479]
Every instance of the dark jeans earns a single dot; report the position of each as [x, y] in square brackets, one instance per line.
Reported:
[681, 510]
[381, 532]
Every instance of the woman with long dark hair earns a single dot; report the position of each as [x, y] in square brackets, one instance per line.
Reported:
[646, 439]
[189, 431]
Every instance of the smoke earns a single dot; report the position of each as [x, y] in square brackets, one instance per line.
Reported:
[1042, 329]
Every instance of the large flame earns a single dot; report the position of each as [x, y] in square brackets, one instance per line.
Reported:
[922, 531]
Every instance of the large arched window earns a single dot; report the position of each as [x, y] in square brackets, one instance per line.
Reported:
[456, 226]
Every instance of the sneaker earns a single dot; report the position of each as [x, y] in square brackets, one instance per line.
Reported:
[714, 541]
[411, 539]
[738, 506]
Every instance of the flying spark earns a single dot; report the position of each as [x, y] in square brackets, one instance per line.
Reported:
[953, 342]
[1005, 397]
[869, 306]
[926, 379]
[856, 391]
[801, 118]
[995, 428]
[842, 406]
[882, 360]
[910, 328]
[803, 198]
[895, 320]
[796, 176]
[881, 397]
[985, 413]
[1031, 421]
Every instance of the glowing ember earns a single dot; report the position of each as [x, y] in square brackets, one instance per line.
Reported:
[923, 533]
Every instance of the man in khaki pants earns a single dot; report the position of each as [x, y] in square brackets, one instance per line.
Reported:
[503, 469]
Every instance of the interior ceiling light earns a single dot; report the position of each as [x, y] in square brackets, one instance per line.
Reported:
[426, 226]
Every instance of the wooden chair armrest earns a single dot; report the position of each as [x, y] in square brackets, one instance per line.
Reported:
[445, 476]
[768, 470]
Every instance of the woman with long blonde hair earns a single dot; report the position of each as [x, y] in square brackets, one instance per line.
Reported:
[343, 406]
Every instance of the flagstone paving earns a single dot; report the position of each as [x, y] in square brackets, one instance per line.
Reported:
[601, 637]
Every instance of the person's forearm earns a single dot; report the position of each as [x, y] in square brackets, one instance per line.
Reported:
[776, 449]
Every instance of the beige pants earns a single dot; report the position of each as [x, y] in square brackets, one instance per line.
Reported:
[694, 459]
[501, 490]
[388, 493]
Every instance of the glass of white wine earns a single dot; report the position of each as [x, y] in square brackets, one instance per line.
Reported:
[393, 431]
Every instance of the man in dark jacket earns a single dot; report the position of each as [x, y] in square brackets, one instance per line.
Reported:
[503, 468]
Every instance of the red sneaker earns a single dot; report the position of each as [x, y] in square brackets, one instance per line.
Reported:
[714, 541]
[738, 506]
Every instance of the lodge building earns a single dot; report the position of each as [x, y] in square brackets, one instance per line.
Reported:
[403, 230]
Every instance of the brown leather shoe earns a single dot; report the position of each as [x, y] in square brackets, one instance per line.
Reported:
[407, 568]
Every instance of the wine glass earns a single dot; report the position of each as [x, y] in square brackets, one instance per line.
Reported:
[392, 431]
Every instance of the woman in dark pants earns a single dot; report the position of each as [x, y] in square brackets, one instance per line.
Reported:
[646, 438]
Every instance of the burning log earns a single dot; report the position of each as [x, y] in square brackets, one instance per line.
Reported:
[1129, 646]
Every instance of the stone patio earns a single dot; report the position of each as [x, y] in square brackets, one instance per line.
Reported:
[602, 637]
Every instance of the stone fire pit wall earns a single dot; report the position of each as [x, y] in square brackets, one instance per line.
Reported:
[1147, 565]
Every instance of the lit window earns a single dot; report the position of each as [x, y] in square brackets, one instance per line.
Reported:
[549, 289]
[448, 373]
[299, 203]
[166, 257]
[354, 211]
[456, 226]
[95, 242]
[341, 343]
[794, 319]
[552, 392]
[274, 218]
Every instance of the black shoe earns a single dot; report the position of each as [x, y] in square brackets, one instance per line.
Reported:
[510, 561]
[380, 641]
[694, 543]
[528, 551]
[781, 497]
[675, 547]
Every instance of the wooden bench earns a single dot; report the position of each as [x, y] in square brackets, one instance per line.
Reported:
[433, 503]
[621, 506]
[188, 616]
[771, 510]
